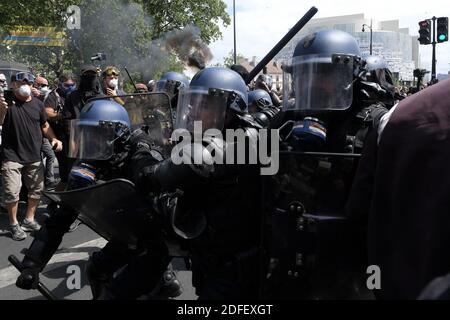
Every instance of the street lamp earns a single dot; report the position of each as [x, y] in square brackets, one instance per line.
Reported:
[363, 30]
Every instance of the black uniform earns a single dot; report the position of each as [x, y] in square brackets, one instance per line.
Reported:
[314, 250]
[144, 266]
[401, 189]
[224, 202]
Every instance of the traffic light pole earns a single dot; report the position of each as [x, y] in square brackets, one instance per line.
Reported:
[433, 63]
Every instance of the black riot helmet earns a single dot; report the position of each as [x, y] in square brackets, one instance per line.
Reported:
[102, 122]
[258, 100]
[320, 75]
[171, 82]
[377, 71]
[211, 93]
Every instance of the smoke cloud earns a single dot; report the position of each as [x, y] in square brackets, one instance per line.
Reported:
[118, 30]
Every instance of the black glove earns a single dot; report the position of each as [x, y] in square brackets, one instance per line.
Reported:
[28, 279]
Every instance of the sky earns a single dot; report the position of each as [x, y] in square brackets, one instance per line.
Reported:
[260, 24]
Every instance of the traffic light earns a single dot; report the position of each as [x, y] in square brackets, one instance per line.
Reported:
[425, 32]
[442, 29]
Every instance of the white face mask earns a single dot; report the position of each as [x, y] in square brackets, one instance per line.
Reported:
[113, 83]
[44, 90]
[25, 91]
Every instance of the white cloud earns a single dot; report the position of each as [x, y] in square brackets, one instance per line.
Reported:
[260, 24]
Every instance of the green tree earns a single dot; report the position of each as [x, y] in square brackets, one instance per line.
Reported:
[207, 15]
[46, 60]
[228, 61]
[124, 30]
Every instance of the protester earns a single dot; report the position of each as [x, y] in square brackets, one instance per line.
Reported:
[141, 88]
[57, 115]
[24, 124]
[401, 188]
[40, 88]
[110, 83]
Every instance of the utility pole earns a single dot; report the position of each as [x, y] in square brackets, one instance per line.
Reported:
[371, 33]
[371, 36]
[433, 64]
[234, 27]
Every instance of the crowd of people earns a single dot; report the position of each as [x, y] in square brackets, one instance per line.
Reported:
[35, 132]
[361, 179]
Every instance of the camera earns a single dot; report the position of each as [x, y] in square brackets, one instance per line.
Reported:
[99, 57]
[420, 73]
[9, 96]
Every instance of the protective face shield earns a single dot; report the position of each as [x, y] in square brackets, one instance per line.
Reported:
[202, 104]
[170, 87]
[93, 140]
[319, 82]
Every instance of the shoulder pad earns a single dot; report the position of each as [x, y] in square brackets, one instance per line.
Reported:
[262, 119]
[249, 121]
[156, 155]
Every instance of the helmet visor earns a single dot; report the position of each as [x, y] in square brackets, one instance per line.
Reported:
[318, 83]
[207, 106]
[91, 141]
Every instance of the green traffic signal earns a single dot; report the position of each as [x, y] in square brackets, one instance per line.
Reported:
[442, 37]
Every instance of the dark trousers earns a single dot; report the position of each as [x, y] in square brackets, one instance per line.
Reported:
[65, 163]
[49, 155]
[142, 270]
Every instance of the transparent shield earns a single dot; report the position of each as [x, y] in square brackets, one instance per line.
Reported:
[151, 110]
[91, 141]
[201, 104]
[318, 83]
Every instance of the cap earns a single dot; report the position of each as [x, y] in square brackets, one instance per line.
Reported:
[87, 68]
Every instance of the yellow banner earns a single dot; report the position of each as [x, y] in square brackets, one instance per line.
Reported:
[34, 36]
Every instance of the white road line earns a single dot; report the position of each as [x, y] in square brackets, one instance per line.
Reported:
[9, 275]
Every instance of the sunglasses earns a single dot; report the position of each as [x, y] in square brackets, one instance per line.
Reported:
[68, 85]
[25, 76]
[112, 72]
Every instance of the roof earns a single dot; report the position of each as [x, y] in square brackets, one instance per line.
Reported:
[272, 67]
[6, 65]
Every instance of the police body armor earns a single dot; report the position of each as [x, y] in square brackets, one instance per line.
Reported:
[311, 245]
[314, 251]
[82, 196]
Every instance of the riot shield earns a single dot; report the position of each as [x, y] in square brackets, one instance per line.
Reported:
[151, 110]
[113, 209]
[313, 250]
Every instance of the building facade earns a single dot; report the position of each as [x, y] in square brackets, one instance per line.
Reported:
[394, 44]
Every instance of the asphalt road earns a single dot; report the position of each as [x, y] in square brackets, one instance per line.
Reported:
[73, 251]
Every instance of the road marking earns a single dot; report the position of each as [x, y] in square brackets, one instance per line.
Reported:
[8, 275]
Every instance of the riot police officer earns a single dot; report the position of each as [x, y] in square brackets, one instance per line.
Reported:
[376, 93]
[219, 210]
[261, 108]
[102, 142]
[171, 83]
[314, 251]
